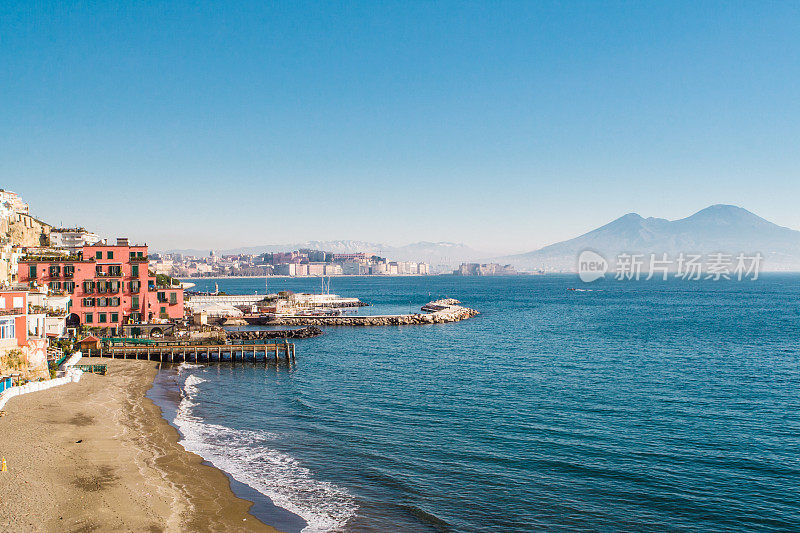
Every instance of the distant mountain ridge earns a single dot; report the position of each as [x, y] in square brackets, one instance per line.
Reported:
[434, 253]
[719, 228]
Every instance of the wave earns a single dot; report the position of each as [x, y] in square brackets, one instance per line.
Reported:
[427, 518]
[188, 366]
[247, 456]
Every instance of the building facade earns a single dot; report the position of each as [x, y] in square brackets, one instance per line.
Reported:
[12, 202]
[110, 286]
[22, 331]
[72, 240]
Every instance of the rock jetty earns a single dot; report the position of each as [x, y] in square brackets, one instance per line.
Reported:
[439, 312]
[302, 333]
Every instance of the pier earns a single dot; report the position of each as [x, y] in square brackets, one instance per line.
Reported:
[436, 312]
[275, 353]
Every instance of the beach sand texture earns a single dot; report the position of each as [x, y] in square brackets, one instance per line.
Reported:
[97, 456]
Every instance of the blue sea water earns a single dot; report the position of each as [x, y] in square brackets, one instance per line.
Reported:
[638, 406]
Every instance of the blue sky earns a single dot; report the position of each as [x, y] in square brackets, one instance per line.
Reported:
[503, 125]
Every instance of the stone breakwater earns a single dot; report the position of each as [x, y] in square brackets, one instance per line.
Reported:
[442, 311]
[302, 333]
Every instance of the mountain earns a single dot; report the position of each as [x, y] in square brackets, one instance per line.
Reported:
[433, 253]
[719, 228]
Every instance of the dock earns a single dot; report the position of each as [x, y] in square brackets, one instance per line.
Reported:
[436, 312]
[275, 353]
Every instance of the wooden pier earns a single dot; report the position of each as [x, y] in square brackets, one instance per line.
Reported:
[275, 353]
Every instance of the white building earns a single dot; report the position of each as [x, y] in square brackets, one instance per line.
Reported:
[333, 269]
[286, 269]
[316, 269]
[55, 326]
[72, 240]
[12, 202]
[353, 268]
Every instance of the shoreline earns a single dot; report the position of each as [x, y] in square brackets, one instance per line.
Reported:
[166, 394]
[98, 454]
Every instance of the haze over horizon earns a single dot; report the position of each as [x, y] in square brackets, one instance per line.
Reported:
[202, 126]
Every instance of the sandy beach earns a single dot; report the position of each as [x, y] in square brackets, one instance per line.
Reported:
[97, 456]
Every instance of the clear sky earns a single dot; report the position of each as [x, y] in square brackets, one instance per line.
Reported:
[503, 125]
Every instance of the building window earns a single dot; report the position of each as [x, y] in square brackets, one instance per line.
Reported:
[132, 255]
[98, 255]
[69, 286]
[135, 302]
[101, 318]
[135, 270]
[173, 298]
[162, 297]
[88, 287]
[55, 285]
[7, 328]
[114, 317]
[88, 319]
[32, 271]
[102, 302]
[136, 286]
[109, 255]
[114, 270]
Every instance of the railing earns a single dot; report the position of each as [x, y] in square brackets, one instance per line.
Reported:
[93, 369]
[51, 259]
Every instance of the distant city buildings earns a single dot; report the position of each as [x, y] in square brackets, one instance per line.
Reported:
[490, 269]
[303, 262]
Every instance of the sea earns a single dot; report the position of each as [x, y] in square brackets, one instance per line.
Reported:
[564, 406]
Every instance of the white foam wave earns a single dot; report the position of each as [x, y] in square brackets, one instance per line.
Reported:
[246, 455]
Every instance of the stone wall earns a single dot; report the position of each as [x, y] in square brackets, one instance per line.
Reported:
[24, 230]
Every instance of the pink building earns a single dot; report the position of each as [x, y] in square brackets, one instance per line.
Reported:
[14, 330]
[110, 286]
[13, 319]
